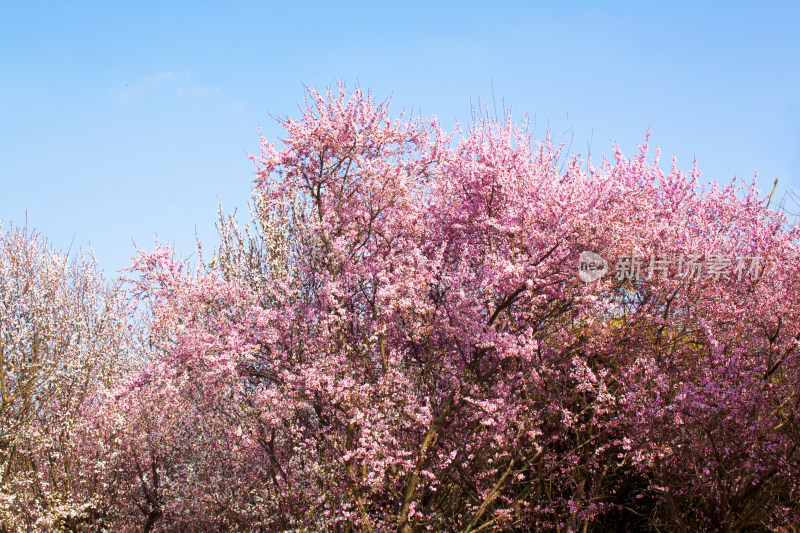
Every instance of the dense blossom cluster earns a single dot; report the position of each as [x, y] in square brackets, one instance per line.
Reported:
[400, 341]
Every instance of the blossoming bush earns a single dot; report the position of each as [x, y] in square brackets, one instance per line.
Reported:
[65, 338]
[399, 341]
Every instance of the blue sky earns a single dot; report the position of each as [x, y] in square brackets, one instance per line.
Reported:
[126, 120]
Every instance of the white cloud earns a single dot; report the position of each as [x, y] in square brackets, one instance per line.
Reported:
[145, 83]
[164, 80]
[198, 90]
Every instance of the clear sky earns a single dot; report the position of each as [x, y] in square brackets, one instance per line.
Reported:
[126, 120]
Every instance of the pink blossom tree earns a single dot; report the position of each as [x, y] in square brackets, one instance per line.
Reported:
[400, 342]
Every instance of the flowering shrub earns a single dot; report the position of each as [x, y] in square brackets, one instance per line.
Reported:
[400, 341]
[65, 337]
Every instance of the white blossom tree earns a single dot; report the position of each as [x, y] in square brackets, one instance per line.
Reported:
[65, 337]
